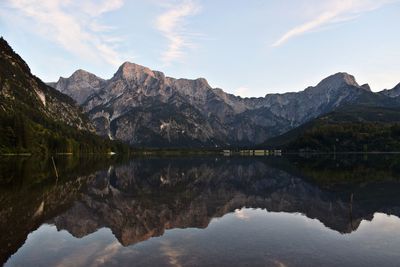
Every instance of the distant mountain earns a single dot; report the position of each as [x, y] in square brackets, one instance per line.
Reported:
[79, 86]
[36, 117]
[146, 108]
[350, 128]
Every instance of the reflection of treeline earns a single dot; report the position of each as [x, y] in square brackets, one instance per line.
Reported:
[349, 136]
[38, 135]
[330, 170]
[28, 172]
[170, 152]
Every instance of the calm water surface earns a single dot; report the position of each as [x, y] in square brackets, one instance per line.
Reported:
[201, 211]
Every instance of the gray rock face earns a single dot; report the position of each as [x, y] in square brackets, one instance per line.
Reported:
[146, 108]
[394, 92]
[79, 86]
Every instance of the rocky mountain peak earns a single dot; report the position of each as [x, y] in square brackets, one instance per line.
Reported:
[80, 85]
[202, 82]
[81, 74]
[366, 87]
[132, 71]
[338, 80]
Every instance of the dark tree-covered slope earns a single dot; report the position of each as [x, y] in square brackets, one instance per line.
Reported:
[35, 118]
[352, 128]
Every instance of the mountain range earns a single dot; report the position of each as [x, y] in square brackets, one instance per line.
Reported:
[145, 108]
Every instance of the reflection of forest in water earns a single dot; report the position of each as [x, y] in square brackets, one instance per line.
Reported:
[142, 197]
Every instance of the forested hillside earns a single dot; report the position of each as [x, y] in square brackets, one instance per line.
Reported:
[350, 129]
[35, 118]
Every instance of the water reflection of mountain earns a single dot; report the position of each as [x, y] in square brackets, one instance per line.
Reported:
[30, 194]
[146, 197]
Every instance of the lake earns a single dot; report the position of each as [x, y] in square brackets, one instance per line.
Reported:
[298, 210]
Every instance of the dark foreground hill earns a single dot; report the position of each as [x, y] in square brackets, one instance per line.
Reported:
[351, 128]
[35, 118]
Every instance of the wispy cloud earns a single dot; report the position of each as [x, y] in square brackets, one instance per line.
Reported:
[172, 24]
[74, 25]
[336, 11]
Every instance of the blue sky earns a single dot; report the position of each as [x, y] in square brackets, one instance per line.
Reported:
[249, 48]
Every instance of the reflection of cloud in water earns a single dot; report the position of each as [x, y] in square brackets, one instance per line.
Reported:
[171, 253]
[108, 253]
[92, 254]
[279, 263]
[242, 214]
[386, 223]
